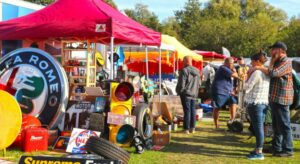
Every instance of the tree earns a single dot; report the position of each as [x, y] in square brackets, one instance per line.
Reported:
[141, 14]
[111, 3]
[41, 2]
[186, 19]
[242, 26]
[170, 27]
[291, 36]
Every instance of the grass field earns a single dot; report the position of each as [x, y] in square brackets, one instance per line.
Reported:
[207, 145]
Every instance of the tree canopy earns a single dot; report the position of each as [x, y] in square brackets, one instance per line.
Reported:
[242, 26]
[141, 14]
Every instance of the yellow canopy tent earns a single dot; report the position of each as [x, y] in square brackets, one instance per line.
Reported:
[181, 50]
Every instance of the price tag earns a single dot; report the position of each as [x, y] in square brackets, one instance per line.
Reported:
[119, 119]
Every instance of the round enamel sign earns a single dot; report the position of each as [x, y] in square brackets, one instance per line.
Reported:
[38, 83]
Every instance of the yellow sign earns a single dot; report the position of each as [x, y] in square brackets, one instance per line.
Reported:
[10, 119]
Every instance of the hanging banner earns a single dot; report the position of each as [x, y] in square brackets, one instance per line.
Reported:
[38, 83]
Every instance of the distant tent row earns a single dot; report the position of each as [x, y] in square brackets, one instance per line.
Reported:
[171, 59]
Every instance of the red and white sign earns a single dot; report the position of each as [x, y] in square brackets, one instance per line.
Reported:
[120, 119]
[100, 28]
[78, 139]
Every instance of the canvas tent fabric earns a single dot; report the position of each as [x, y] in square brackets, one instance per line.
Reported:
[140, 66]
[152, 55]
[211, 54]
[79, 19]
[181, 50]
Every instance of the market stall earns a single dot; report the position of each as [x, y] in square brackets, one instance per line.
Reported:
[182, 51]
[96, 22]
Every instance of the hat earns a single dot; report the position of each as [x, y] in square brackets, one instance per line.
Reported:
[280, 45]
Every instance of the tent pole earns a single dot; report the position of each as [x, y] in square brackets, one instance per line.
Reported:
[112, 58]
[174, 66]
[160, 94]
[147, 64]
[177, 64]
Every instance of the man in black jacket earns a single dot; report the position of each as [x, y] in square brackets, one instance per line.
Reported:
[188, 87]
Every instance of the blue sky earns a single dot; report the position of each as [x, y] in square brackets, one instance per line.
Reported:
[166, 8]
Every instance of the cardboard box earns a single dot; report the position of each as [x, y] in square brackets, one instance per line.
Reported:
[161, 138]
[170, 105]
[53, 135]
[165, 128]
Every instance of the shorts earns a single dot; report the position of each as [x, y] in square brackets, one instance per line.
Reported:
[219, 101]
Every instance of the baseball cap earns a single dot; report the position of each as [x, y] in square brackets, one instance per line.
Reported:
[280, 45]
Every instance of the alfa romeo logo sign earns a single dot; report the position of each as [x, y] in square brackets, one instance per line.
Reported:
[38, 83]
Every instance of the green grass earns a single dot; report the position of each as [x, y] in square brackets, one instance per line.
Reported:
[207, 145]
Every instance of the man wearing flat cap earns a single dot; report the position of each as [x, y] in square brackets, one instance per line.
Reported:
[281, 95]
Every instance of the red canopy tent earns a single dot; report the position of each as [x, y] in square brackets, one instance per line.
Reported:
[79, 19]
[139, 66]
[211, 54]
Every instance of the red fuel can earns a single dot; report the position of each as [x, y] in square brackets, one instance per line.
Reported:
[35, 139]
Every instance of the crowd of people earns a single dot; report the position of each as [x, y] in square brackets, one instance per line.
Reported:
[262, 87]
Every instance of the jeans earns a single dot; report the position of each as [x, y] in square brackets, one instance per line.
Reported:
[282, 140]
[257, 114]
[189, 110]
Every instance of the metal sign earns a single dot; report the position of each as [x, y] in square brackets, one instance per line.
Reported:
[38, 83]
[120, 119]
[61, 160]
[295, 131]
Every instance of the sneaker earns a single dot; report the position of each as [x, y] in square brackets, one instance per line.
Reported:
[192, 131]
[282, 154]
[252, 152]
[186, 132]
[256, 156]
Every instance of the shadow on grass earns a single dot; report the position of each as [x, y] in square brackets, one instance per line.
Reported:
[203, 150]
[227, 145]
[227, 141]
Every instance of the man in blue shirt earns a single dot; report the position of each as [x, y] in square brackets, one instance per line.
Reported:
[222, 90]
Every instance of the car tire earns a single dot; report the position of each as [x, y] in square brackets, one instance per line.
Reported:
[144, 120]
[106, 149]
